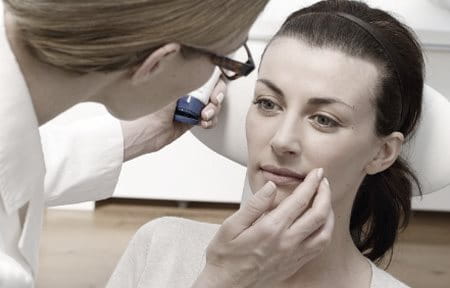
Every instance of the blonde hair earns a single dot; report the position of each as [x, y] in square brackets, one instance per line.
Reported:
[108, 35]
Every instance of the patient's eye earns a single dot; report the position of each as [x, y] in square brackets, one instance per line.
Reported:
[267, 105]
[324, 121]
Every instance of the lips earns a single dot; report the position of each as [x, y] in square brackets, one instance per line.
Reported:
[281, 176]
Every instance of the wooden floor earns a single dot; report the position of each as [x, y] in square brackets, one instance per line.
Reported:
[80, 249]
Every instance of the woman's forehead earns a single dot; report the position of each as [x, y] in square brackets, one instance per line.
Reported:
[297, 67]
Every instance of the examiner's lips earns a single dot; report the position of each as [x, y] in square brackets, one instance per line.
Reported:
[281, 176]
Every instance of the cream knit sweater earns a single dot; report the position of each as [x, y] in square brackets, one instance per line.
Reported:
[170, 253]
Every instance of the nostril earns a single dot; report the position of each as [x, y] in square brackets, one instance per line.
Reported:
[285, 149]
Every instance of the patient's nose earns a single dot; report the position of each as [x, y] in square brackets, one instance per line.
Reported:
[286, 141]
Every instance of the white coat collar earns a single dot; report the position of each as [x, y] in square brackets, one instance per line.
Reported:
[22, 167]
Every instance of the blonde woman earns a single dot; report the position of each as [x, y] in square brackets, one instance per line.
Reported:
[135, 57]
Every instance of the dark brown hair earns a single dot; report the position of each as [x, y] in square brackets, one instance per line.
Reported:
[383, 203]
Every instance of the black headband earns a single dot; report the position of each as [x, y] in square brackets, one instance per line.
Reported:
[390, 51]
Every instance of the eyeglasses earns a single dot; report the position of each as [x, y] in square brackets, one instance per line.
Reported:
[231, 69]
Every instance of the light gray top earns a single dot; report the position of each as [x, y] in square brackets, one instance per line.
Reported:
[170, 253]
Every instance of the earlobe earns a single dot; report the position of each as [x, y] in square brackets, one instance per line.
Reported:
[387, 154]
[153, 62]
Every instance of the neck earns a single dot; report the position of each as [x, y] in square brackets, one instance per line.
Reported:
[52, 90]
[339, 264]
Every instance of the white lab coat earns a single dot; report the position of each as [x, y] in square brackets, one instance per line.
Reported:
[57, 165]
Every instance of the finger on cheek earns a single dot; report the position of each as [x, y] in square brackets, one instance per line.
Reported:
[324, 185]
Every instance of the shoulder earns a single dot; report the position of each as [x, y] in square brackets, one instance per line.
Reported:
[174, 244]
[169, 225]
[174, 229]
[382, 279]
[161, 247]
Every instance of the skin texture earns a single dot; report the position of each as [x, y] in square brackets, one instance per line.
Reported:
[290, 125]
[291, 131]
[152, 132]
[259, 248]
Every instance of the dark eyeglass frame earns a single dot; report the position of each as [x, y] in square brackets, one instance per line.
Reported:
[225, 63]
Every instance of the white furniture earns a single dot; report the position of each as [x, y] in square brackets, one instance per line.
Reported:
[189, 171]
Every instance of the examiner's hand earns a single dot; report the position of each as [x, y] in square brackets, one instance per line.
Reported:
[259, 248]
[152, 132]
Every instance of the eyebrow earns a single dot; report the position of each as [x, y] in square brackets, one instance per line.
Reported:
[311, 101]
[271, 86]
[327, 101]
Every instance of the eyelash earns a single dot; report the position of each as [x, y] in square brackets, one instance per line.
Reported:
[333, 123]
[261, 101]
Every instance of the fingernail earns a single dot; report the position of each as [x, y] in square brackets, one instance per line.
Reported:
[269, 189]
[220, 97]
[320, 173]
[209, 113]
[325, 180]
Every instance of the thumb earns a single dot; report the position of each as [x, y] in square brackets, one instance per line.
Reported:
[251, 210]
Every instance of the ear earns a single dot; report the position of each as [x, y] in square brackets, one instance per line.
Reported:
[388, 152]
[153, 62]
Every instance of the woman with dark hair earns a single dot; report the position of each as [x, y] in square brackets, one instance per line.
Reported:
[339, 87]
[382, 203]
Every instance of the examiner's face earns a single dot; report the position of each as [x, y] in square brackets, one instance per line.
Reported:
[313, 107]
[127, 101]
